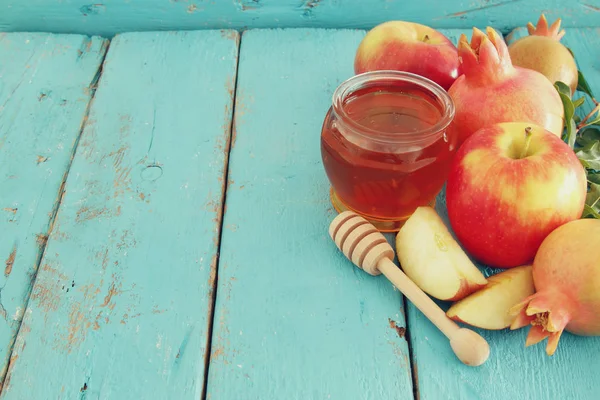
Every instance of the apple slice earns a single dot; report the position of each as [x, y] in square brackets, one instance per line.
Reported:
[489, 307]
[429, 255]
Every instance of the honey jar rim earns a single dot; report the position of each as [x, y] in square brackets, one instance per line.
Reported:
[350, 85]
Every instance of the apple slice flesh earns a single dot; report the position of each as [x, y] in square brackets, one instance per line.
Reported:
[489, 307]
[431, 257]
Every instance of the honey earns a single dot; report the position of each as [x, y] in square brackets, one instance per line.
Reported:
[385, 147]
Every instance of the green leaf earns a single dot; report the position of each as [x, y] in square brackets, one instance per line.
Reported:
[589, 155]
[579, 102]
[593, 178]
[593, 196]
[589, 212]
[583, 86]
[563, 88]
[565, 96]
[588, 135]
[592, 202]
[571, 133]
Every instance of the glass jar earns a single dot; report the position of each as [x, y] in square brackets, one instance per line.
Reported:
[385, 145]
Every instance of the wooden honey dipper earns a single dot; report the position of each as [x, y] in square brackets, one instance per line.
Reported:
[368, 249]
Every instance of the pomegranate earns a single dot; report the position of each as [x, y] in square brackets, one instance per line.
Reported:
[542, 51]
[492, 90]
[566, 276]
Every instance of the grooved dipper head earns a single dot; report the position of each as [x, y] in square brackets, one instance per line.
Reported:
[360, 241]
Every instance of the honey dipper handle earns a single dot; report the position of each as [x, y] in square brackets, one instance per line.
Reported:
[469, 347]
[414, 293]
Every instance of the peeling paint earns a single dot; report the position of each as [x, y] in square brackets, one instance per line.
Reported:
[231, 227]
[217, 353]
[122, 180]
[41, 239]
[77, 327]
[248, 5]
[112, 291]
[103, 255]
[307, 8]
[230, 34]
[86, 214]
[212, 278]
[233, 134]
[212, 205]
[84, 309]
[401, 331]
[10, 261]
[92, 9]
[126, 241]
[156, 310]
[47, 290]
[117, 156]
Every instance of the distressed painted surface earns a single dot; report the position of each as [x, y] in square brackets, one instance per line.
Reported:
[122, 299]
[512, 371]
[45, 88]
[294, 319]
[121, 302]
[107, 17]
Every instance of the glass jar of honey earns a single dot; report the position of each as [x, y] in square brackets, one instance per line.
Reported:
[385, 145]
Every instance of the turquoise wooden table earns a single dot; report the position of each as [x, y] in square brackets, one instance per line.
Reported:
[164, 209]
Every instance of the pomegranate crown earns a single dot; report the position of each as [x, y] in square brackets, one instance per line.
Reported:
[548, 313]
[542, 29]
[486, 55]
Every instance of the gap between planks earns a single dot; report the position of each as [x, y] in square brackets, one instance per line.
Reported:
[411, 355]
[59, 197]
[221, 213]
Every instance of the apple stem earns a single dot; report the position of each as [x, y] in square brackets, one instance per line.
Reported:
[426, 38]
[527, 142]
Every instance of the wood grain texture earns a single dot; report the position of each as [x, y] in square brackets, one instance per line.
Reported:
[295, 319]
[107, 17]
[121, 302]
[512, 371]
[41, 113]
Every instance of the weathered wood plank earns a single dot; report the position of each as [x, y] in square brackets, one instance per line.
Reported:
[585, 44]
[121, 303]
[107, 17]
[512, 371]
[45, 88]
[294, 319]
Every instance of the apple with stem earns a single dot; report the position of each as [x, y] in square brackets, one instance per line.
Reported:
[510, 185]
[410, 47]
[489, 307]
[433, 260]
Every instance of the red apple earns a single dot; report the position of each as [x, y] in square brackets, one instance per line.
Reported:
[410, 47]
[509, 186]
